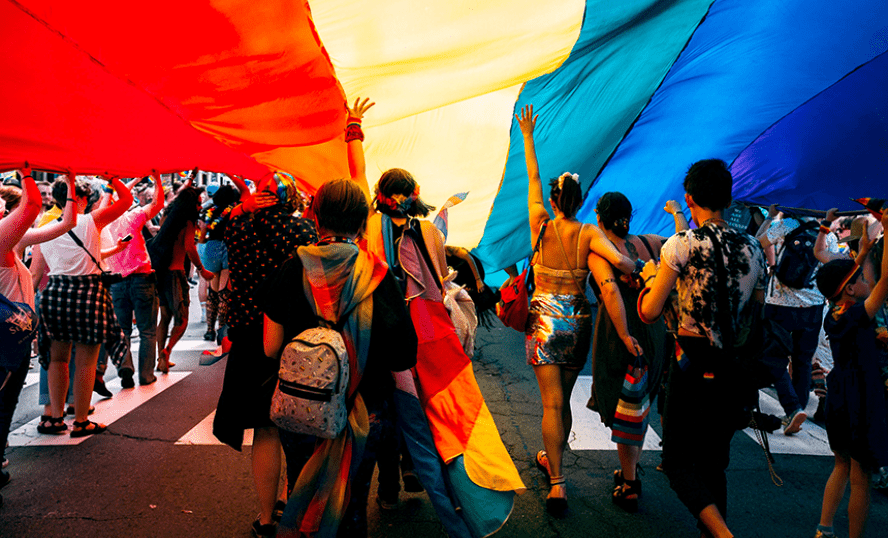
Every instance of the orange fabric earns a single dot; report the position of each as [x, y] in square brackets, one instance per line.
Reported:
[127, 87]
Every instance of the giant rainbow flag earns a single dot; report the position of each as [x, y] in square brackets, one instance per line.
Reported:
[791, 93]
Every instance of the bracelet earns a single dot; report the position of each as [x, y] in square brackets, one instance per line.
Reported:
[353, 132]
[353, 119]
[824, 229]
[70, 200]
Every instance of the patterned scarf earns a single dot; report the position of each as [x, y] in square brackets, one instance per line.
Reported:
[341, 278]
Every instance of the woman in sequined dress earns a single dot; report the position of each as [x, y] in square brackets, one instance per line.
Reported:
[559, 326]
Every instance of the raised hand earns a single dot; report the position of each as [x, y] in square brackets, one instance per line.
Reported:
[672, 207]
[773, 211]
[357, 112]
[832, 215]
[526, 120]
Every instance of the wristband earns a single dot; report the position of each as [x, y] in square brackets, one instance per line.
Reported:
[353, 132]
[353, 119]
[824, 229]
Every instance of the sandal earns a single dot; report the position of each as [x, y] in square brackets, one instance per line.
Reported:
[619, 481]
[556, 506]
[51, 425]
[544, 467]
[626, 495]
[82, 429]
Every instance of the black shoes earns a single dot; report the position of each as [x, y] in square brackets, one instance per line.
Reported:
[126, 378]
[210, 335]
[264, 531]
[100, 388]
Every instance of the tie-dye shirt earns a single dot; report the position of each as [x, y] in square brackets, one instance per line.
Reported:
[690, 253]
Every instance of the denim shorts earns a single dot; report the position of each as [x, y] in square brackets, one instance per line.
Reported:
[213, 255]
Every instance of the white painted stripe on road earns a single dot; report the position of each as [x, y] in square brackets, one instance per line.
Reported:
[32, 378]
[191, 344]
[107, 411]
[202, 434]
[811, 441]
[588, 432]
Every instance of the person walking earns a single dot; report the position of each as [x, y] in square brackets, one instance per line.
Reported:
[559, 328]
[704, 263]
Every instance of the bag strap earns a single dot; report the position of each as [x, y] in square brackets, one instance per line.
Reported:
[567, 259]
[802, 228]
[80, 244]
[647, 245]
[726, 326]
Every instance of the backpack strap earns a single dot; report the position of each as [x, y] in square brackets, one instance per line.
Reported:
[723, 312]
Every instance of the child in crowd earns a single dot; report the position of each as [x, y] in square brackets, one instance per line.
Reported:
[856, 407]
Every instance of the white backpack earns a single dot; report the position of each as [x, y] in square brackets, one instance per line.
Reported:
[310, 397]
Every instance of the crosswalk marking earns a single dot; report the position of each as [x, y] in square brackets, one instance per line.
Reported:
[588, 433]
[811, 441]
[202, 434]
[107, 411]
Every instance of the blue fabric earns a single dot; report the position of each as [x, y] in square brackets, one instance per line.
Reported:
[749, 64]
[612, 111]
[586, 106]
[828, 150]
[484, 510]
[411, 421]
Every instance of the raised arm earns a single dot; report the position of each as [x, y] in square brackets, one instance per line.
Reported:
[880, 291]
[820, 251]
[762, 233]
[250, 202]
[603, 274]
[14, 225]
[153, 209]
[354, 137]
[54, 229]
[535, 204]
[106, 215]
[681, 222]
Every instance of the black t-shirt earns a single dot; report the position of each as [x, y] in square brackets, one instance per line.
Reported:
[392, 337]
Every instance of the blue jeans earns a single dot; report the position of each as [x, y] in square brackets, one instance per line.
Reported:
[803, 325]
[137, 294]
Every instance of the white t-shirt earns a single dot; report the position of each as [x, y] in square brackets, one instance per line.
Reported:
[781, 295]
[16, 284]
[64, 257]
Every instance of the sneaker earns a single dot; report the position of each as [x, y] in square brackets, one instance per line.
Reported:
[794, 422]
[389, 503]
[126, 381]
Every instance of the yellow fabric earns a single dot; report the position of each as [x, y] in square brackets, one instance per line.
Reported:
[487, 461]
[50, 216]
[445, 76]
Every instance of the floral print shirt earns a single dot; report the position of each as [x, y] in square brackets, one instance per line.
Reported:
[690, 253]
[778, 293]
[257, 245]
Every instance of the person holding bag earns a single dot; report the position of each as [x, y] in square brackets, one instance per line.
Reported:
[703, 387]
[559, 325]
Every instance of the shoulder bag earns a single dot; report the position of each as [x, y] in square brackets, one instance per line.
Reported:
[512, 309]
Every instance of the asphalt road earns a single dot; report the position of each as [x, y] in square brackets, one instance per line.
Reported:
[158, 473]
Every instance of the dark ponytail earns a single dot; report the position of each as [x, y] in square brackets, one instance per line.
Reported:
[615, 212]
[566, 193]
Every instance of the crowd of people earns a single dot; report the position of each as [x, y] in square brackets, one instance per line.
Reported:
[677, 319]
